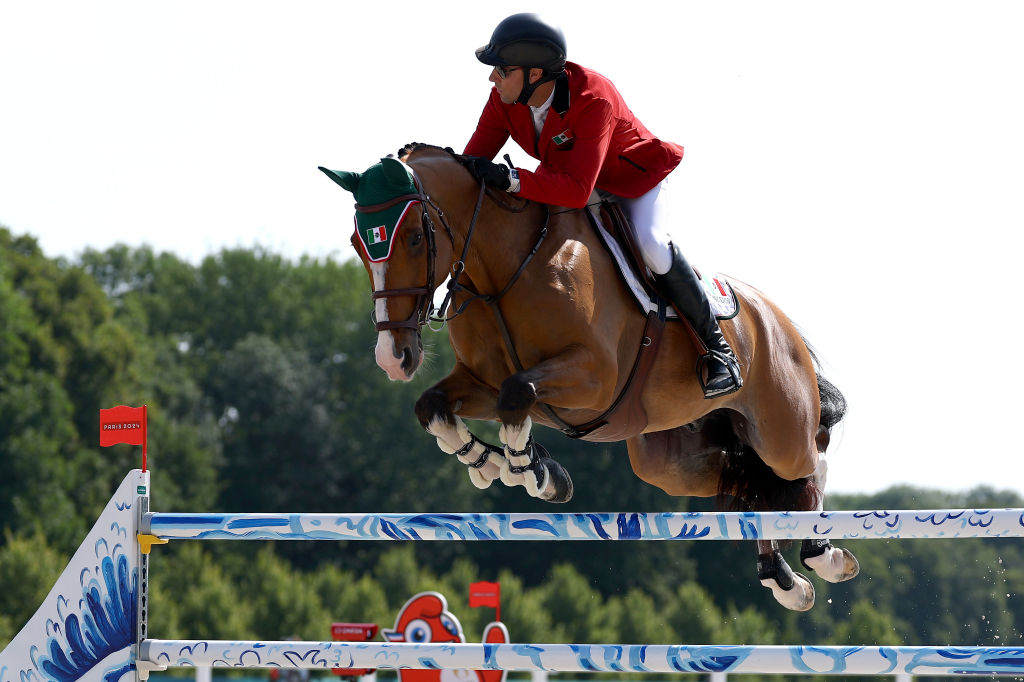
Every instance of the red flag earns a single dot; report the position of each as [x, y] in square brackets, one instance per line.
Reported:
[486, 594]
[123, 424]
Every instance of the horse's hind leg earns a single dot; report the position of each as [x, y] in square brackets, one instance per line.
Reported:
[833, 564]
[791, 589]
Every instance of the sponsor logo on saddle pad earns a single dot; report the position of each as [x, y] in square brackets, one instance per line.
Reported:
[721, 296]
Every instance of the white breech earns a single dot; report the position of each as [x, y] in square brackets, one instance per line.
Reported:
[651, 218]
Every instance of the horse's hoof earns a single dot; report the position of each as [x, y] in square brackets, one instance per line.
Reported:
[557, 483]
[791, 589]
[800, 595]
[832, 564]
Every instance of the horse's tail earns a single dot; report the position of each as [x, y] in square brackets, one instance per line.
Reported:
[833, 402]
[748, 484]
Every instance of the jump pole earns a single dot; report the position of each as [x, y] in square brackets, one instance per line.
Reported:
[591, 658]
[836, 525]
[92, 626]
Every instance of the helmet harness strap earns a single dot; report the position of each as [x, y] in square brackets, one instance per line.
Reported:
[529, 88]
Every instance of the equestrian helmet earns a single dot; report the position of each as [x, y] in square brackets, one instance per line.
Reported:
[527, 40]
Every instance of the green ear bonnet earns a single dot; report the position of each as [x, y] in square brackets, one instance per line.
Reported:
[379, 184]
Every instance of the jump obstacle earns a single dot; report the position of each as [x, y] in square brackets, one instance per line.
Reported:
[93, 624]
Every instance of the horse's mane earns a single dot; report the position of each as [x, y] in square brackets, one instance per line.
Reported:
[516, 205]
[412, 147]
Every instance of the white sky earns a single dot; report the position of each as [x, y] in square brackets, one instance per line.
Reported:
[860, 162]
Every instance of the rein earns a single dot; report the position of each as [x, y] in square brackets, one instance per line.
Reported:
[490, 299]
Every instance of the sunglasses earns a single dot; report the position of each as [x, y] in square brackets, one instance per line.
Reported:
[504, 71]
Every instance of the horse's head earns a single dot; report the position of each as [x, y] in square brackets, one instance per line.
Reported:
[396, 239]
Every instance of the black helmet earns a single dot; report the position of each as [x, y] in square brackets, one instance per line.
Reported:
[525, 40]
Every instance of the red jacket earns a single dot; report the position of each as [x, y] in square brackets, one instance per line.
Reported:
[590, 139]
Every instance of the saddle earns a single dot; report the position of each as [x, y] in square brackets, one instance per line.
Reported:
[619, 237]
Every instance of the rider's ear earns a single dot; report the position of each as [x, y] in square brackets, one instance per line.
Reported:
[346, 179]
[395, 171]
[536, 75]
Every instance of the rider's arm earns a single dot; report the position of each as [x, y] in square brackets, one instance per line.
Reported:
[567, 177]
[491, 131]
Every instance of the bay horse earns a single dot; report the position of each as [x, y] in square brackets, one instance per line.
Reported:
[544, 330]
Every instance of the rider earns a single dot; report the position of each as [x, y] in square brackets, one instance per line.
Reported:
[575, 122]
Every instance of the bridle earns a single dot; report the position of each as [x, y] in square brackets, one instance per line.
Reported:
[424, 312]
[421, 314]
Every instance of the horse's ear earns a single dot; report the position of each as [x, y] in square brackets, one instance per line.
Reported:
[395, 171]
[346, 179]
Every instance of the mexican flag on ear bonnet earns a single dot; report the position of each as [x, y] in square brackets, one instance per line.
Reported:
[380, 183]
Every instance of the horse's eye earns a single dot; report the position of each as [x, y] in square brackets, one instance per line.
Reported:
[417, 239]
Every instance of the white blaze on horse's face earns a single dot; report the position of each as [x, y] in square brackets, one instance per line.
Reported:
[385, 351]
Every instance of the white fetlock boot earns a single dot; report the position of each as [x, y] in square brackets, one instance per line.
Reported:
[483, 462]
[519, 458]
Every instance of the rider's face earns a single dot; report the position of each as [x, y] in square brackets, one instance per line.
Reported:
[510, 85]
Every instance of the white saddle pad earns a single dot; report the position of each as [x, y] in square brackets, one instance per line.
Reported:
[720, 293]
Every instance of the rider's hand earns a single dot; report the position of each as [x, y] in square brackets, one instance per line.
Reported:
[496, 175]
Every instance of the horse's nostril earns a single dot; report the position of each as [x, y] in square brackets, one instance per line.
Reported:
[407, 359]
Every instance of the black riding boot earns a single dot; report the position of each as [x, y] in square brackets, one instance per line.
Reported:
[686, 294]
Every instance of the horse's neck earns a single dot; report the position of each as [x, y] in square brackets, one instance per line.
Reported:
[501, 242]
[502, 236]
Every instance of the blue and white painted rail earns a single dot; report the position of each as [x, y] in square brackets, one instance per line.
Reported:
[836, 525]
[591, 658]
[92, 627]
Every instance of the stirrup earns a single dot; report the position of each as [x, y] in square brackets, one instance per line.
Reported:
[730, 363]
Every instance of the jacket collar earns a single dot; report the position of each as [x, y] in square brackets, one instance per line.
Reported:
[560, 103]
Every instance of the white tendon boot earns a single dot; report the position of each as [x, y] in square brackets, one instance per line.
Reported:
[457, 440]
[519, 455]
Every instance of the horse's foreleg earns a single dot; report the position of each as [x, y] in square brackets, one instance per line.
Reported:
[483, 461]
[435, 410]
[791, 589]
[833, 564]
[529, 464]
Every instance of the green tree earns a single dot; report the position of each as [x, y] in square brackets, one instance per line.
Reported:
[286, 606]
[641, 622]
[692, 615]
[580, 609]
[351, 598]
[524, 612]
[192, 597]
[870, 624]
[29, 567]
